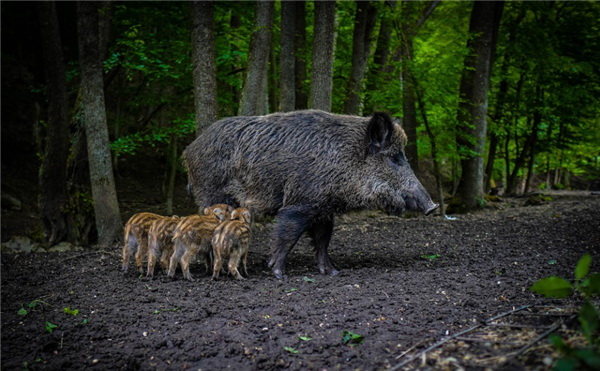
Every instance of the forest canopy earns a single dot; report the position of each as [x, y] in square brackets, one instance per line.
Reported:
[541, 126]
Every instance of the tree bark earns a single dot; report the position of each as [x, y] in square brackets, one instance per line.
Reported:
[472, 110]
[53, 171]
[106, 207]
[321, 82]
[364, 22]
[254, 91]
[287, 63]
[204, 64]
[300, 57]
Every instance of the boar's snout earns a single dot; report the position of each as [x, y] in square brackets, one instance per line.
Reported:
[430, 208]
[419, 200]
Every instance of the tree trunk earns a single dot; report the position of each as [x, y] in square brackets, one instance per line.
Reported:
[321, 82]
[53, 171]
[172, 169]
[472, 110]
[205, 68]
[364, 22]
[106, 207]
[254, 91]
[300, 57]
[287, 63]
[436, 164]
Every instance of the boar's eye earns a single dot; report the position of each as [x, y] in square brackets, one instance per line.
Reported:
[398, 159]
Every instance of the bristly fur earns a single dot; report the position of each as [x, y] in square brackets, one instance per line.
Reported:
[231, 240]
[192, 235]
[304, 167]
[136, 239]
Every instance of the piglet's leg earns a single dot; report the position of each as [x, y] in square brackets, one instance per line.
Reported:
[292, 221]
[320, 232]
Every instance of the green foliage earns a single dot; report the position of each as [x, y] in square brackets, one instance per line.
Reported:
[72, 312]
[31, 305]
[351, 338]
[49, 326]
[291, 350]
[588, 285]
[430, 256]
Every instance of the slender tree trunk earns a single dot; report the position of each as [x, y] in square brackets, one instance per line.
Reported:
[172, 174]
[204, 64]
[254, 91]
[287, 63]
[300, 57]
[436, 163]
[106, 207]
[321, 82]
[364, 22]
[472, 110]
[53, 171]
[380, 58]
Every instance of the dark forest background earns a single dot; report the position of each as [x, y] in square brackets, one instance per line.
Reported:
[496, 97]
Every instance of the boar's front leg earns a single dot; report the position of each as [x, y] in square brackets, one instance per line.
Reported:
[320, 232]
[292, 221]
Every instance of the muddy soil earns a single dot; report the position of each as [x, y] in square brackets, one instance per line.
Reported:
[405, 283]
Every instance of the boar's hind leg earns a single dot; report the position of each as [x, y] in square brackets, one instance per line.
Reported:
[292, 221]
[320, 232]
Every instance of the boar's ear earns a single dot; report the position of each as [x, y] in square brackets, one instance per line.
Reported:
[379, 132]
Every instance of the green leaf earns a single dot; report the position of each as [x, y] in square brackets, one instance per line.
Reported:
[553, 286]
[70, 311]
[308, 279]
[566, 364]
[590, 357]
[22, 312]
[593, 286]
[560, 344]
[291, 350]
[305, 338]
[583, 267]
[430, 256]
[85, 321]
[351, 338]
[50, 326]
[589, 319]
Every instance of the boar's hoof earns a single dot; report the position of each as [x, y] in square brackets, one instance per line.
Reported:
[329, 270]
[279, 274]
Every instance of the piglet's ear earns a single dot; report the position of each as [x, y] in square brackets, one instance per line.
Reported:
[379, 132]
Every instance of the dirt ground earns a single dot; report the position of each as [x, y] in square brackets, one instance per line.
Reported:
[406, 283]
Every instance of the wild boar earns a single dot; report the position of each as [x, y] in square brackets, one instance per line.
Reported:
[160, 243]
[136, 238]
[193, 235]
[231, 240]
[305, 167]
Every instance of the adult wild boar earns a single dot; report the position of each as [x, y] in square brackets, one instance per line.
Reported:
[304, 167]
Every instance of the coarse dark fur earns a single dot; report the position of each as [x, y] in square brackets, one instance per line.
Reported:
[193, 235]
[136, 239]
[231, 240]
[304, 167]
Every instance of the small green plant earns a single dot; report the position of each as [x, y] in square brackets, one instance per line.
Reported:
[308, 279]
[50, 326]
[588, 285]
[304, 338]
[430, 256]
[31, 305]
[72, 312]
[352, 339]
[159, 311]
[291, 350]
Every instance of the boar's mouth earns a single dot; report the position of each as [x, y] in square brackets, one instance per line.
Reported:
[413, 204]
